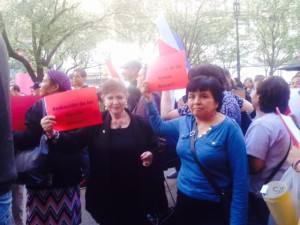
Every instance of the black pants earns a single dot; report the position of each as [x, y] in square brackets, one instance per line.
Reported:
[85, 164]
[258, 212]
[191, 211]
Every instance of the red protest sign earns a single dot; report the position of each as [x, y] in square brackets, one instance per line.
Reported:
[74, 109]
[19, 107]
[167, 72]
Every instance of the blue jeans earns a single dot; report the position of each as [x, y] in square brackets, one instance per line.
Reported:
[5, 208]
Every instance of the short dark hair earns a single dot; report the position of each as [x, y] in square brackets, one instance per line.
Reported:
[248, 79]
[259, 77]
[209, 70]
[16, 87]
[207, 83]
[273, 92]
[226, 72]
[132, 64]
[238, 82]
[111, 85]
[81, 71]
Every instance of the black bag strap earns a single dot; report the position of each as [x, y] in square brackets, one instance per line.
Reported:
[193, 135]
[270, 177]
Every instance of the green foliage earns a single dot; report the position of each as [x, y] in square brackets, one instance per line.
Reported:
[48, 29]
[276, 29]
[51, 32]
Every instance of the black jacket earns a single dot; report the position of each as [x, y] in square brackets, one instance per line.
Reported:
[98, 193]
[7, 167]
[64, 167]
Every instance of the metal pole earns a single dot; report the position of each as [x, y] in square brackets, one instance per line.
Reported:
[236, 7]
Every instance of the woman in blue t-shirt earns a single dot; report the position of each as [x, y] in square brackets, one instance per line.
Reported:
[220, 148]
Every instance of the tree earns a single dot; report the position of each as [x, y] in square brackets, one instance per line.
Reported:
[47, 29]
[275, 26]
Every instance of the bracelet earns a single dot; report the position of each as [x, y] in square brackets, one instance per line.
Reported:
[295, 164]
[54, 135]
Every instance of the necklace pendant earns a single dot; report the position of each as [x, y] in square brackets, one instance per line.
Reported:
[118, 126]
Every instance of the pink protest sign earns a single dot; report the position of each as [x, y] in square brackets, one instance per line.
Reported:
[24, 81]
[167, 72]
[74, 109]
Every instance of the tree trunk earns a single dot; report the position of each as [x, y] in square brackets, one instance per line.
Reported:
[15, 55]
[40, 73]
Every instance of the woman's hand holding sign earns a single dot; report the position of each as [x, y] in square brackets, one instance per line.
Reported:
[47, 125]
[146, 92]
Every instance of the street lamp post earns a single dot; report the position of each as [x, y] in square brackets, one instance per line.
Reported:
[236, 9]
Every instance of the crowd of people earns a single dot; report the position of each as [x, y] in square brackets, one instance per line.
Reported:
[228, 146]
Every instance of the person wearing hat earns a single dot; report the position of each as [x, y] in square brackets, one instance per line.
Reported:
[61, 201]
[130, 73]
[35, 89]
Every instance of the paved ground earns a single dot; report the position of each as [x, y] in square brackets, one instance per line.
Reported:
[171, 183]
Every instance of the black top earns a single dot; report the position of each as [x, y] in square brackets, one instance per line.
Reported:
[134, 96]
[64, 167]
[120, 187]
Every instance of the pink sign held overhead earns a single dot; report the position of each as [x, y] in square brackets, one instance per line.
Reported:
[167, 72]
[74, 109]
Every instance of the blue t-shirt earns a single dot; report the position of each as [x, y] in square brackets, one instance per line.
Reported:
[221, 150]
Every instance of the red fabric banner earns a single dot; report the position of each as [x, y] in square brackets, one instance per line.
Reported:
[164, 48]
[19, 107]
[74, 109]
[111, 69]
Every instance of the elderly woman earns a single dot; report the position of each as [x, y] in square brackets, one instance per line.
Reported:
[59, 202]
[120, 159]
[268, 144]
[219, 146]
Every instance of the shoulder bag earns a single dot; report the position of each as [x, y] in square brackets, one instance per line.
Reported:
[32, 164]
[224, 199]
